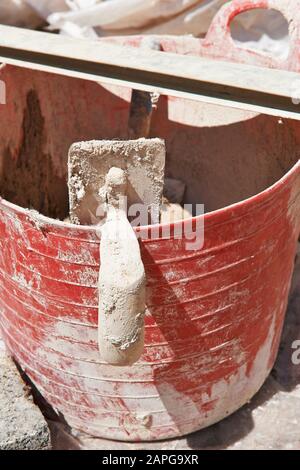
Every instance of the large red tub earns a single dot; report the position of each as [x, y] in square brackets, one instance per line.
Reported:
[214, 313]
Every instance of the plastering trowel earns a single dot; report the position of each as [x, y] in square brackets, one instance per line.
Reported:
[109, 181]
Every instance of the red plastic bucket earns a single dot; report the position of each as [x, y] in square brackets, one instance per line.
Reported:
[214, 313]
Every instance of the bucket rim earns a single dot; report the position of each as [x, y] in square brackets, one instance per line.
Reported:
[257, 199]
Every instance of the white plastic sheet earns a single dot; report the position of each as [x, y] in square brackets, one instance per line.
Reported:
[120, 14]
[258, 29]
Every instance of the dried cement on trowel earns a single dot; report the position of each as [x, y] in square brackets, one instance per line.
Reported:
[121, 281]
[143, 161]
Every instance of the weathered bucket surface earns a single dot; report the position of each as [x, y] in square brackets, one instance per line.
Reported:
[214, 313]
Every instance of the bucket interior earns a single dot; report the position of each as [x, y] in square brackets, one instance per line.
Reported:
[221, 154]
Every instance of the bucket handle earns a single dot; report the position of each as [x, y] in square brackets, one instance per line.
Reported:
[219, 35]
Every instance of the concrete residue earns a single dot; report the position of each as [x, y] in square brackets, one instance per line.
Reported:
[145, 419]
[28, 178]
[84, 256]
[121, 281]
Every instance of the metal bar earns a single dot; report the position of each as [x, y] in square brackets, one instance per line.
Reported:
[236, 85]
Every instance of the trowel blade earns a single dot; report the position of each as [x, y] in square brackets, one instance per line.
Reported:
[143, 160]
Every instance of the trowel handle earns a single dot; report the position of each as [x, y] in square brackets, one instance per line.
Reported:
[219, 35]
[121, 293]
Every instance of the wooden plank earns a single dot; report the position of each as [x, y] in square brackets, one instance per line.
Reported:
[235, 85]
